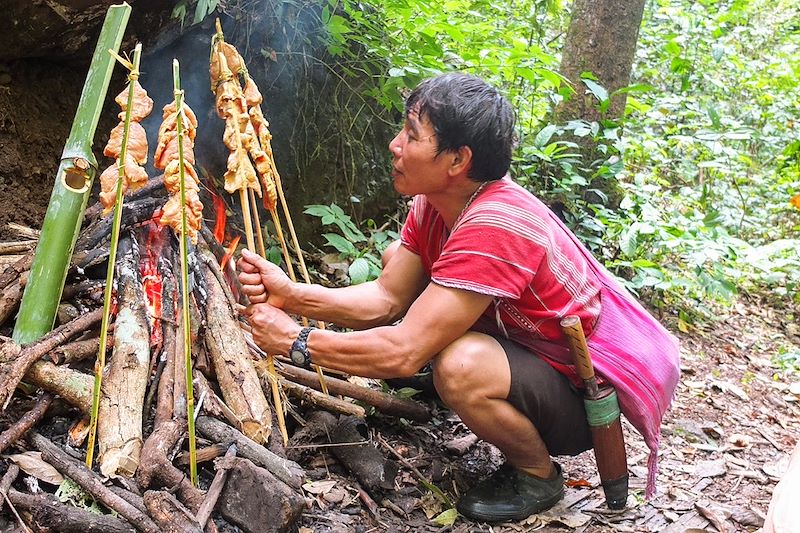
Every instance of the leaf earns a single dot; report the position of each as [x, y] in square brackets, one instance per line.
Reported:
[32, 464]
[358, 271]
[322, 486]
[543, 137]
[596, 89]
[446, 518]
[342, 245]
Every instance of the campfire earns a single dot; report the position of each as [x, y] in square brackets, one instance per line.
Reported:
[192, 420]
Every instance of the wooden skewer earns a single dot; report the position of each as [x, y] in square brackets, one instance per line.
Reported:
[254, 205]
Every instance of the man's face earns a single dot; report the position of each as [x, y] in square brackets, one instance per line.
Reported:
[417, 168]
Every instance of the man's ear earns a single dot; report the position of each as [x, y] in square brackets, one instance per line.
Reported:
[462, 160]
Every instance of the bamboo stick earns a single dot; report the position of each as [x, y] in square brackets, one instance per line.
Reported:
[71, 190]
[115, 229]
[187, 330]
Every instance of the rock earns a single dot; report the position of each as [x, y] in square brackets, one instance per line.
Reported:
[258, 502]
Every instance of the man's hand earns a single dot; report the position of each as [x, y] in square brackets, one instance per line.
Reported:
[273, 330]
[262, 281]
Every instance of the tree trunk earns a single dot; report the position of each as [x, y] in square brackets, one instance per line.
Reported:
[601, 40]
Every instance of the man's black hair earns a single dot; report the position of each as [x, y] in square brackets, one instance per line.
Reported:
[466, 111]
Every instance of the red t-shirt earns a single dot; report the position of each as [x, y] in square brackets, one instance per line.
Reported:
[507, 246]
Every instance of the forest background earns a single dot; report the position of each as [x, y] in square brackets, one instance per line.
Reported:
[689, 195]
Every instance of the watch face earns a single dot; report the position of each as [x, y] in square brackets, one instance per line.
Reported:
[298, 357]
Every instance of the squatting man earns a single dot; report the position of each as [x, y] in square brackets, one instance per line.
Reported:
[477, 285]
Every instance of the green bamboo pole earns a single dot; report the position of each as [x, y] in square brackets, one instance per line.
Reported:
[100, 364]
[184, 237]
[71, 190]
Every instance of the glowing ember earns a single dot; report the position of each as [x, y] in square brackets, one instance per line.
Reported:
[229, 252]
[221, 220]
[151, 279]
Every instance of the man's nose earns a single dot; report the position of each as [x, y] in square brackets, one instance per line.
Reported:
[395, 146]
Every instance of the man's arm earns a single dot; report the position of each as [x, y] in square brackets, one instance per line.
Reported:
[438, 317]
[360, 306]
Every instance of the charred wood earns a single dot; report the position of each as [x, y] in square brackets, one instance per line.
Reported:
[385, 403]
[212, 404]
[233, 367]
[17, 430]
[169, 514]
[47, 511]
[93, 243]
[119, 430]
[16, 360]
[91, 483]
[153, 187]
[287, 471]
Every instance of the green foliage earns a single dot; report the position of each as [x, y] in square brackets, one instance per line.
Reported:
[202, 8]
[361, 252]
[706, 155]
[787, 361]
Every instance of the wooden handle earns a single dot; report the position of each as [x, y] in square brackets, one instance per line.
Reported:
[571, 326]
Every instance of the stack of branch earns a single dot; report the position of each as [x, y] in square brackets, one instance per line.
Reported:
[251, 481]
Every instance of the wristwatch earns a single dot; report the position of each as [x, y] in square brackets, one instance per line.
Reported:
[299, 350]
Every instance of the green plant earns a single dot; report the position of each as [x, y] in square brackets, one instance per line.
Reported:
[202, 8]
[363, 253]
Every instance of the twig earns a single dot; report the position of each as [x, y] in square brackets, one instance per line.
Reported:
[214, 490]
[87, 479]
[28, 420]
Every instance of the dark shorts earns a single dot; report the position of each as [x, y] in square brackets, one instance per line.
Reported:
[549, 400]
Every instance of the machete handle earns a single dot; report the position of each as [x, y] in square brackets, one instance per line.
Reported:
[573, 331]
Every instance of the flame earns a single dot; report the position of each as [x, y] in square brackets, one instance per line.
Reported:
[229, 252]
[151, 279]
[222, 217]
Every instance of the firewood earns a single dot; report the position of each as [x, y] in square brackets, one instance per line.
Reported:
[72, 386]
[23, 232]
[91, 483]
[169, 329]
[215, 489]
[75, 351]
[153, 187]
[93, 244]
[386, 403]
[28, 420]
[169, 513]
[47, 511]
[13, 368]
[14, 271]
[11, 295]
[16, 247]
[235, 372]
[125, 383]
[322, 400]
[156, 470]
[287, 471]
[212, 404]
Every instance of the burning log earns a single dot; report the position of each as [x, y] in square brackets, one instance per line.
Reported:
[234, 369]
[120, 417]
